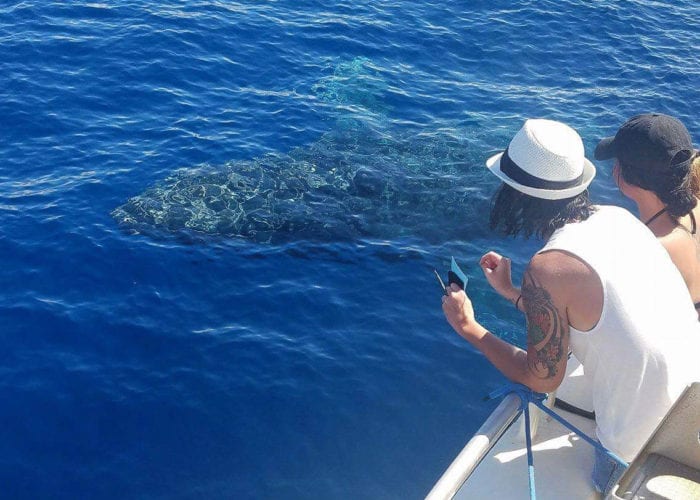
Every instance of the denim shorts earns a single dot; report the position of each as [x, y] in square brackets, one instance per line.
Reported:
[606, 472]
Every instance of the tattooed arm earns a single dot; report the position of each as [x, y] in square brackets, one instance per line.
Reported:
[547, 332]
[542, 366]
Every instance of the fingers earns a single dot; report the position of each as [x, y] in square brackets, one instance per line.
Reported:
[492, 262]
[457, 307]
[454, 293]
[489, 259]
[450, 291]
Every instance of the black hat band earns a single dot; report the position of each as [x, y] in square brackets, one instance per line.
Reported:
[512, 170]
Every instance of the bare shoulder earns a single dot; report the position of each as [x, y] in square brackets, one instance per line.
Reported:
[573, 285]
[684, 251]
[557, 267]
[680, 245]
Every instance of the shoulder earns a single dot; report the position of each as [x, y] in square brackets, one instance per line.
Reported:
[567, 278]
[556, 265]
[613, 211]
[606, 223]
[679, 242]
[615, 216]
[683, 250]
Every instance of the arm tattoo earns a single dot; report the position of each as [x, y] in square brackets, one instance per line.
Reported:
[546, 331]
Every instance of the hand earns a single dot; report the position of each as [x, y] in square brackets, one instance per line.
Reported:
[496, 268]
[458, 310]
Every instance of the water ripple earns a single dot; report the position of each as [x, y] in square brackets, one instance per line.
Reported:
[180, 366]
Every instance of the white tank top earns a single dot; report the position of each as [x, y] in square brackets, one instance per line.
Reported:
[645, 348]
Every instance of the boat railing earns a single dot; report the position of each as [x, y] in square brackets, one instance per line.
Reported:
[476, 449]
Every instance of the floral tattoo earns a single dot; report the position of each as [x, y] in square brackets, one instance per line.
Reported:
[545, 329]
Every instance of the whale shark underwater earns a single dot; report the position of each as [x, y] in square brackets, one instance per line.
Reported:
[359, 180]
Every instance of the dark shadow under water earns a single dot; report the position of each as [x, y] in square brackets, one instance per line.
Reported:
[360, 180]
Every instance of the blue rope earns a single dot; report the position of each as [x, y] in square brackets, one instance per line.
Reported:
[596, 444]
[527, 396]
[530, 458]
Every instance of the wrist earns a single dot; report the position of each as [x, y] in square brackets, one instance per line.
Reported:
[472, 331]
[512, 295]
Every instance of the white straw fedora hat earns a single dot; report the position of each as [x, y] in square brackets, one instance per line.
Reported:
[545, 160]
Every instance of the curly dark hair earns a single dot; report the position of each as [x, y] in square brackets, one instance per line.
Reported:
[513, 213]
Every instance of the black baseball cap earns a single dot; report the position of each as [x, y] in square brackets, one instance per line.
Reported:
[648, 140]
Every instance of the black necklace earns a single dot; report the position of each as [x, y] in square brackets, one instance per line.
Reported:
[656, 215]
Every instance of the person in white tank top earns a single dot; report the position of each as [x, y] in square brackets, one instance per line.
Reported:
[602, 286]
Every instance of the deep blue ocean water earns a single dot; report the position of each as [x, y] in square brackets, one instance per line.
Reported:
[142, 361]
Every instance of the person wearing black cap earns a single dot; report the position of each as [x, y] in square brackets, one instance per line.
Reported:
[589, 289]
[655, 166]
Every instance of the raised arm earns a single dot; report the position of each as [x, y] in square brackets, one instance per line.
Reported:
[497, 271]
[542, 366]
